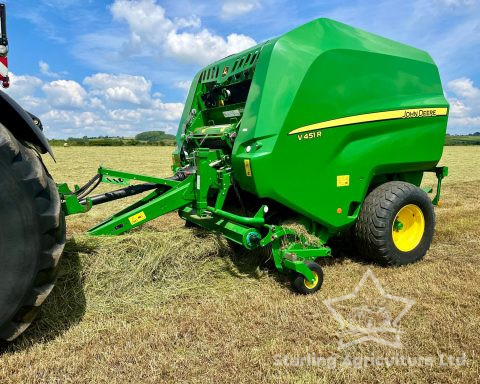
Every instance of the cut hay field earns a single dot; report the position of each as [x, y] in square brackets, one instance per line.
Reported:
[167, 304]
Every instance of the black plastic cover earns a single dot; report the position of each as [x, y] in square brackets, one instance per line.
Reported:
[20, 123]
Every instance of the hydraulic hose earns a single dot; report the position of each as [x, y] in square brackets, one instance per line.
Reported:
[121, 193]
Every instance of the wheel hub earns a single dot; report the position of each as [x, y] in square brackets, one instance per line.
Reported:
[312, 284]
[408, 227]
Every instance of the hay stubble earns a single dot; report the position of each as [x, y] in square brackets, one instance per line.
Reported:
[169, 304]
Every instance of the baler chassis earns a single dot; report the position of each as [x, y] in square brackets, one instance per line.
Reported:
[187, 192]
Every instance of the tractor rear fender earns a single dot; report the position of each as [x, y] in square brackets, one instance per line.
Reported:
[21, 124]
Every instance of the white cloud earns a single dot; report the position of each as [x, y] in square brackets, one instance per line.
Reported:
[96, 103]
[65, 93]
[468, 124]
[458, 109]
[204, 47]
[184, 84]
[120, 88]
[167, 111]
[122, 94]
[465, 107]
[45, 70]
[464, 87]
[232, 9]
[71, 118]
[151, 29]
[125, 114]
[108, 104]
[191, 22]
[24, 85]
[146, 19]
[162, 112]
[25, 90]
[107, 80]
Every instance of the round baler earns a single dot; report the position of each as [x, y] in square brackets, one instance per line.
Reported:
[327, 126]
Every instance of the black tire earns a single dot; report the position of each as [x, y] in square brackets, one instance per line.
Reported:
[377, 224]
[302, 285]
[32, 234]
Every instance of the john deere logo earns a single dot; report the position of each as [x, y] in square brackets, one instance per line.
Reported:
[225, 71]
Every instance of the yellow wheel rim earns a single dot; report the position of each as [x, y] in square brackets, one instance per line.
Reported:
[312, 284]
[408, 227]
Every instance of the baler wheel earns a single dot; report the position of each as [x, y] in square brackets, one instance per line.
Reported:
[396, 224]
[32, 234]
[303, 286]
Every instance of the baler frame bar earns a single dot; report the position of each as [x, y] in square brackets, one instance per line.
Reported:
[187, 192]
[155, 204]
[77, 201]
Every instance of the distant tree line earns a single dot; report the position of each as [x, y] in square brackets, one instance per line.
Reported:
[470, 139]
[154, 136]
[159, 138]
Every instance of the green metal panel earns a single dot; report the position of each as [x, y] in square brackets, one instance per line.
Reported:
[319, 72]
[326, 70]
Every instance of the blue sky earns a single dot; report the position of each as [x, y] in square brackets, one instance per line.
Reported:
[119, 67]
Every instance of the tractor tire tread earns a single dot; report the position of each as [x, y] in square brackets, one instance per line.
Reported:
[30, 171]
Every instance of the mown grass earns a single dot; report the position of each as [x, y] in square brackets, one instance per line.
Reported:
[169, 304]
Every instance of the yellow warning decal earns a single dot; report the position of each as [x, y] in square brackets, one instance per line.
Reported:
[371, 117]
[140, 216]
[248, 169]
[343, 180]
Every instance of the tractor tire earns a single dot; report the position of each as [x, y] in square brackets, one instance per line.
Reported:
[32, 234]
[395, 225]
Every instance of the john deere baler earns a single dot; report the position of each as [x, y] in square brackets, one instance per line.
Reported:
[327, 125]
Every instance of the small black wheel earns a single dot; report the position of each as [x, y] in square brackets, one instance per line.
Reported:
[303, 286]
[396, 224]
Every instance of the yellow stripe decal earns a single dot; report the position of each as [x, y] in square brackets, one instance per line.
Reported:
[371, 117]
